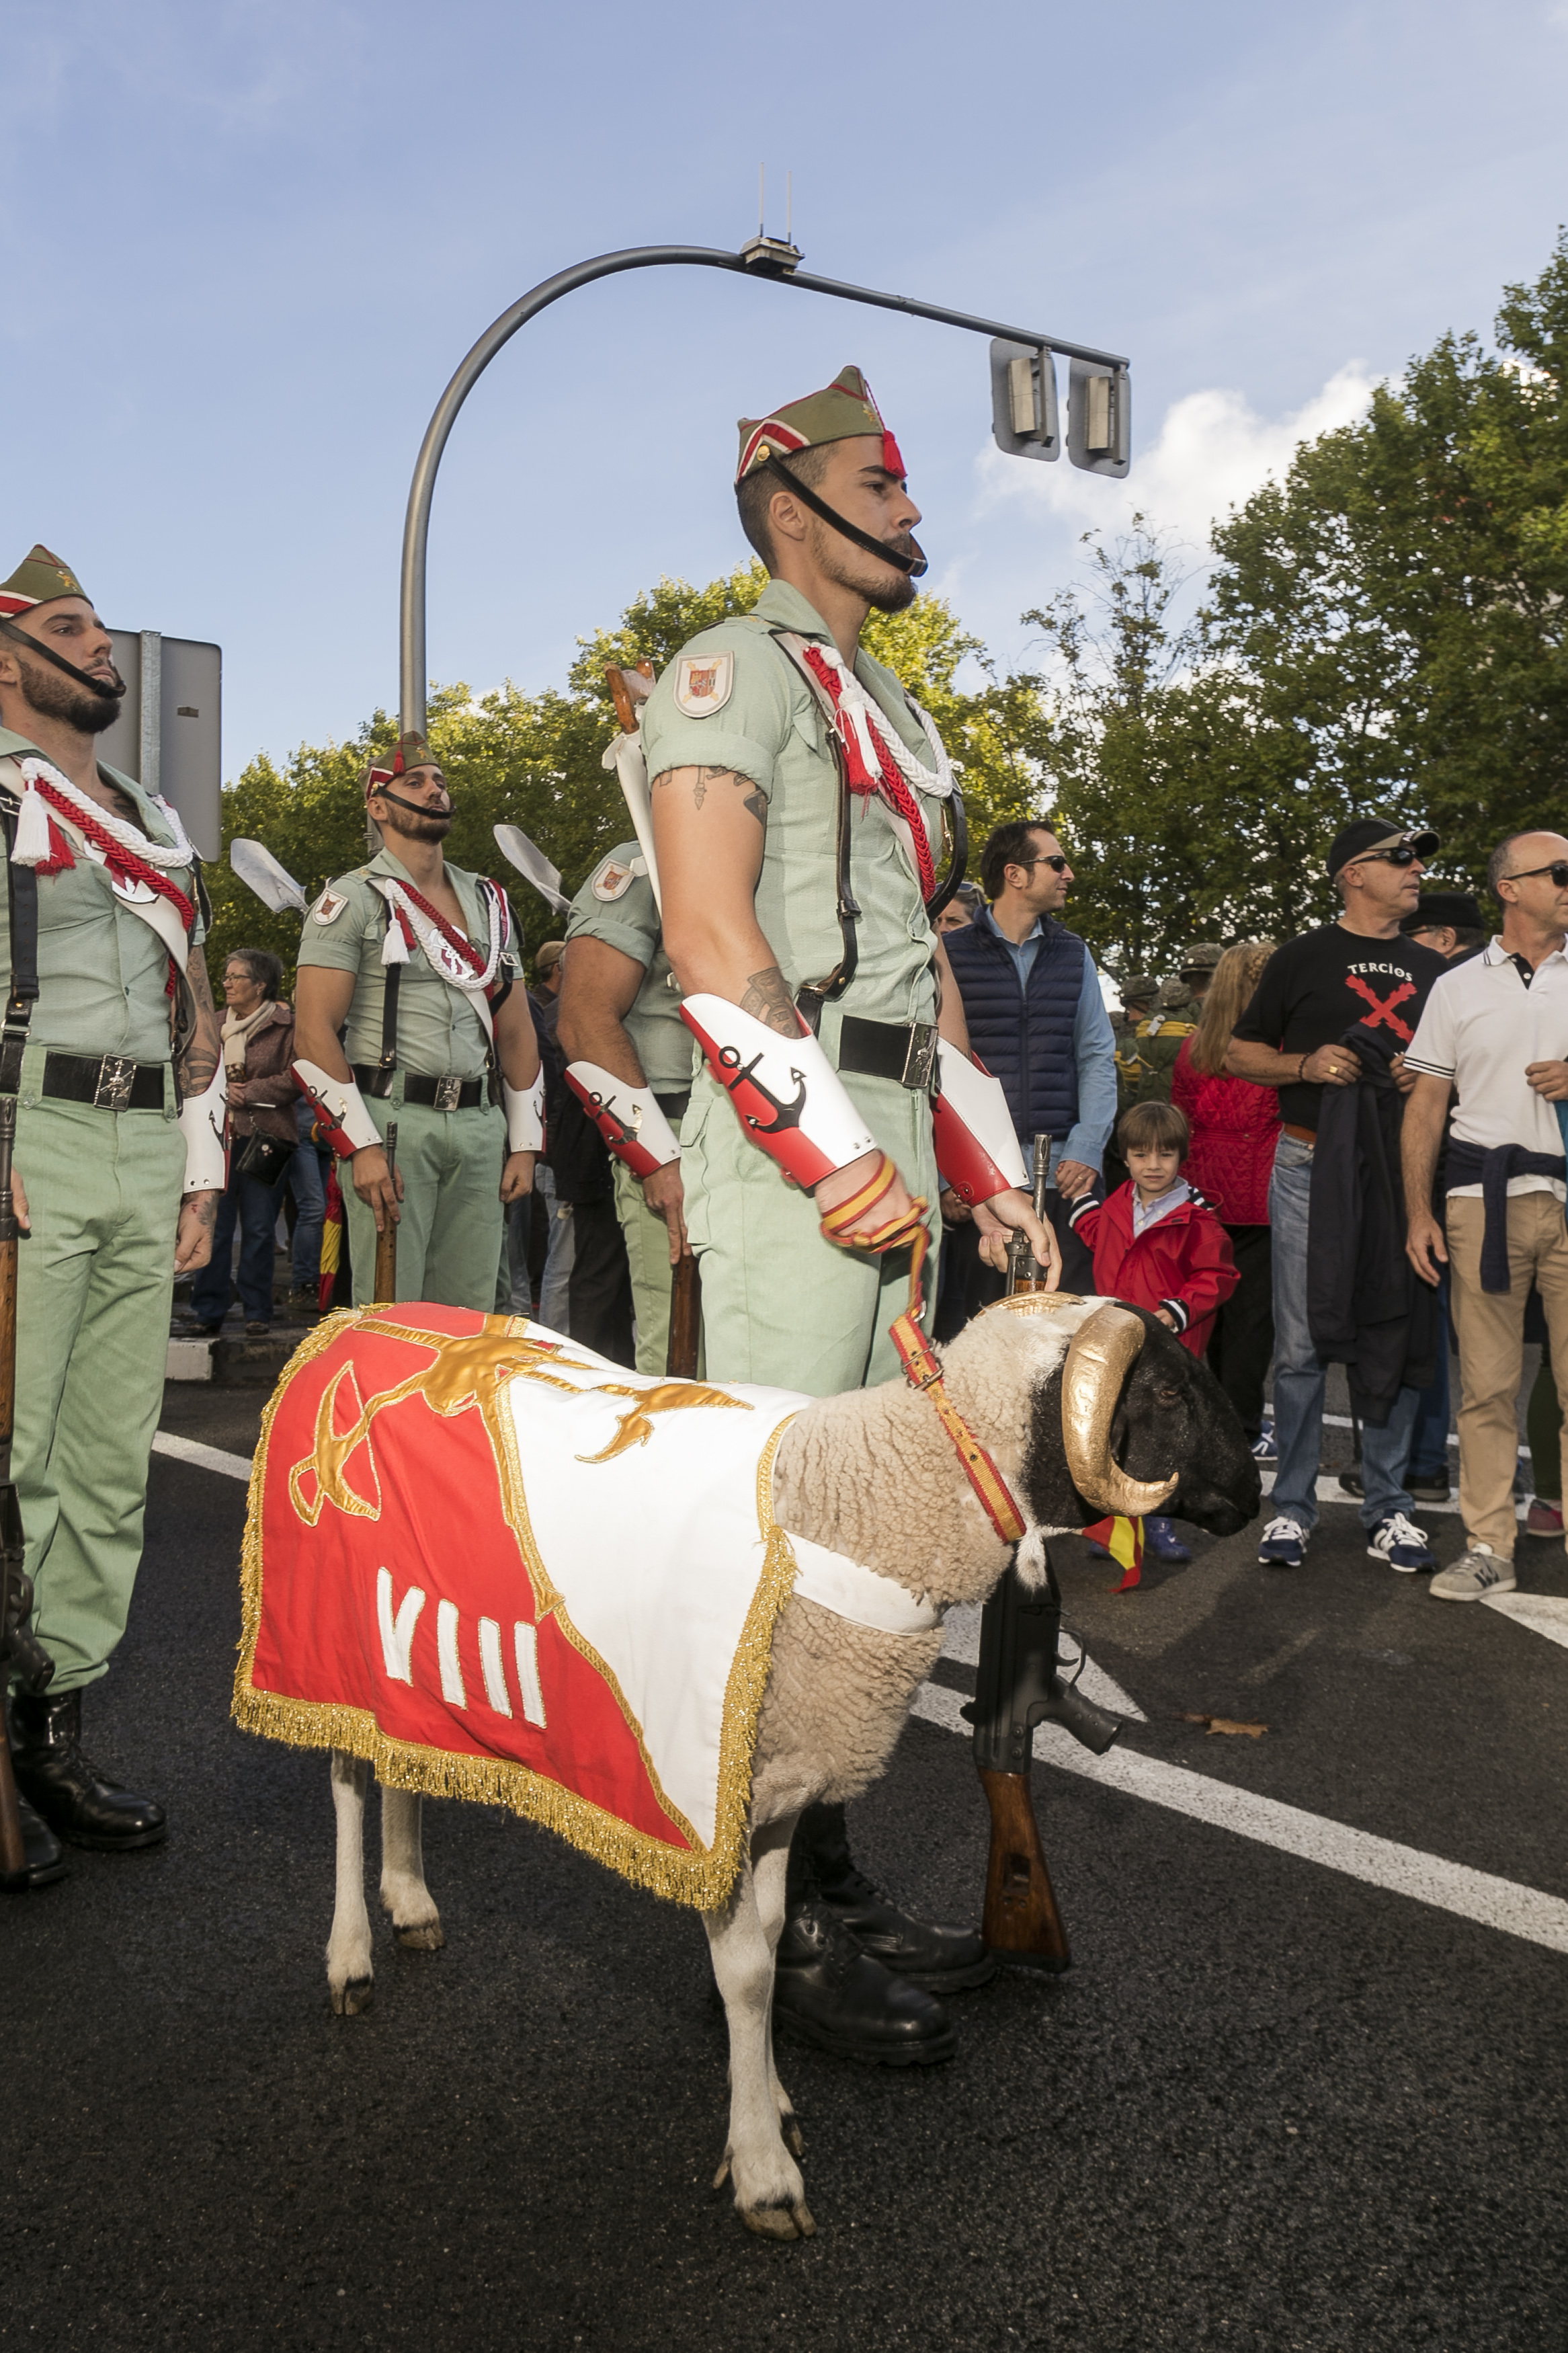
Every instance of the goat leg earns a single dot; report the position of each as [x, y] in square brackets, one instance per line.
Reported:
[416, 1923]
[770, 2195]
[348, 1970]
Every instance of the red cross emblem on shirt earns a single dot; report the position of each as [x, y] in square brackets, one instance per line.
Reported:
[1383, 1007]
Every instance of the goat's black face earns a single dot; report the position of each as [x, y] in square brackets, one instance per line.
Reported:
[1172, 1416]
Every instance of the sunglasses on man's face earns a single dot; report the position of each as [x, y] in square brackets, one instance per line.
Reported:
[1057, 863]
[1558, 870]
[1398, 853]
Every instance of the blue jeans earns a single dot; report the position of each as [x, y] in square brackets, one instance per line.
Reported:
[256, 1208]
[303, 1178]
[1429, 1438]
[1299, 1377]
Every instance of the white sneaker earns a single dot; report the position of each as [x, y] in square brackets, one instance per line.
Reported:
[1474, 1575]
[1283, 1545]
[1400, 1543]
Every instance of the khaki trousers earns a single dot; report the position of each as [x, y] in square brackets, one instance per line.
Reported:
[1491, 1325]
[449, 1235]
[647, 1255]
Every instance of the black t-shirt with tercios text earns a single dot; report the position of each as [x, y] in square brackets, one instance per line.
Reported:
[1315, 989]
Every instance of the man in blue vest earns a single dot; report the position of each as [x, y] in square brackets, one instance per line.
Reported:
[1037, 1021]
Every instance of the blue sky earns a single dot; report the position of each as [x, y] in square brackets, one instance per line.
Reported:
[248, 240]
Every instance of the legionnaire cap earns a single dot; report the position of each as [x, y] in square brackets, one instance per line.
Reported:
[1376, 833]
[1444, 910]
[38, 579]
[410, 751]
[843, 407]
[1203, 958]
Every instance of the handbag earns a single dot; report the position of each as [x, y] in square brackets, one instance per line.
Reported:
[264, 1158]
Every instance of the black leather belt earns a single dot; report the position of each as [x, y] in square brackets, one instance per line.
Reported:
[674, 1106]
[107, 1082]
[447, 1094]
[891, 1049]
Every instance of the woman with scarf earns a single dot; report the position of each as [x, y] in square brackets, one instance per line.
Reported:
[257, 1048]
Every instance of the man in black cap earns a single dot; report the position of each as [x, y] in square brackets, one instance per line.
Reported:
[1449, 923]
[1359, 969]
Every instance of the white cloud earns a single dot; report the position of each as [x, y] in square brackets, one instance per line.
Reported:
[1211, 451]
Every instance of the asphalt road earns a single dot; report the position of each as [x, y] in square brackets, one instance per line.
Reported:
[1271, 2106]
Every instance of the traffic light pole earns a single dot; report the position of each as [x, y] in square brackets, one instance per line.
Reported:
[763, 257]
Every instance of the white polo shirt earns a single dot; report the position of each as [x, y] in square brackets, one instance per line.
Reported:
[1480, 1027]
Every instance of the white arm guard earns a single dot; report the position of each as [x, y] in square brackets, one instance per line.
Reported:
[204, 1120]
[977, 1151]
[340, 1110]
[627, 1117]
[524, 1114]
[789, 1097]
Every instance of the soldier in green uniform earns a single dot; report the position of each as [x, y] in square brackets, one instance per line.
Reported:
[629, 1056]
[811, 974]
[112, 1047]
[1174, 1015]
[1138, 991]
[412, 963]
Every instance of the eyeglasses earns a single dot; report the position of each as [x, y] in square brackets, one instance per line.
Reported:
[1398, 853]
[1558, 870]
[1058, 864]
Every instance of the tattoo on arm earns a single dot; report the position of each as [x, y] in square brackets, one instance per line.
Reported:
[767, 998]
[703, 777]
[204, 1051]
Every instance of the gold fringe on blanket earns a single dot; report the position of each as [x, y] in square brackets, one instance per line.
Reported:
[701, 1879]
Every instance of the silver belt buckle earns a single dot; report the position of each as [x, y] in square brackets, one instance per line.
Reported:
[116, 1077]
[920, 1058]
[447, 1091]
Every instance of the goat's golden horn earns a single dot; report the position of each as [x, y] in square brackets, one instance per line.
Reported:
[1100, 1355]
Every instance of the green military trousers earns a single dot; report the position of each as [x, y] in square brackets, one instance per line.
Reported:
[449, 1234]
[94, 1282]
[647, 1238]
[781, 1304]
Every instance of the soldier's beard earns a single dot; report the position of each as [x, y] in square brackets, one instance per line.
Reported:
[436, 827]
[50, 695]
[846, 567]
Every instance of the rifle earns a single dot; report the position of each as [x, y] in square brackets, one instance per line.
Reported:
[20, 1650]
[387, 1240]
[1019, 1683]
[685, 1318]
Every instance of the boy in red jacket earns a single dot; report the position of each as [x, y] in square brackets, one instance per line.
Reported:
[1157, 1244]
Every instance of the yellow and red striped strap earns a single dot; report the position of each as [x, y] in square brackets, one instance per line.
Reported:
[854, 1224]
[921, 1368]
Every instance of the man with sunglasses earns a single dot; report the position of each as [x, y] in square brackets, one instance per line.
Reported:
[1037, 1020]
[1359, 969]
[406, 1010]
[1495, 1031]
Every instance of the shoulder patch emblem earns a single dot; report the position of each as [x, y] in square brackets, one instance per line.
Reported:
[703, 683]
[329, 906]
[613, 880]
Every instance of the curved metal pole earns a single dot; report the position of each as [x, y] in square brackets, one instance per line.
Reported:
[417, 524]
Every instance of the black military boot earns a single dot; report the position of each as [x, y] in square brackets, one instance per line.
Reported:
[940, 1959]
[43, 1861]
[828, 1991]
[77, 1801]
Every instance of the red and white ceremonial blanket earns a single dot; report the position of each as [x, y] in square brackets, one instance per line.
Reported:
[503, 1568]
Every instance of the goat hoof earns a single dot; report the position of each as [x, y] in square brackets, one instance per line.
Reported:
[428, 1937]
[780, 2221]
[794, 2138]
[350, 1998]
[723, 2174]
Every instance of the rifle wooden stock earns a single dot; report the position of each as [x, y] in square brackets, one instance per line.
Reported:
[685, 1318]
[387, 1240]
[1021, 1923]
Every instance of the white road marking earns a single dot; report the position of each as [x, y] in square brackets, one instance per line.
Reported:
[205, 1457]
[1450, 1886]
[1543, 1613]
[1502, 1904]
[961, 1641]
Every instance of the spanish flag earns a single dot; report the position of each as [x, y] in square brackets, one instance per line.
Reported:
[1124, 1540]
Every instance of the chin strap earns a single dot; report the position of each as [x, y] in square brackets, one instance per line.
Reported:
[914, 564]
[924, 1373]
[82, 678]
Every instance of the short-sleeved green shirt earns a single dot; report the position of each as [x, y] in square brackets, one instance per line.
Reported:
[770, 728]
[103, 973]
[616, 905]
[439, 1035]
